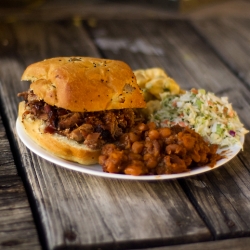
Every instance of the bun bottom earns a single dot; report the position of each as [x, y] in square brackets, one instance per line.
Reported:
[56, 144]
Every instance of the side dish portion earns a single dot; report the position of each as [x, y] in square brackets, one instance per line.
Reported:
[154, 83]
[210, 116]
[147, 149]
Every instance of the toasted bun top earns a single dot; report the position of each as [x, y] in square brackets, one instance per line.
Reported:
[82, 84]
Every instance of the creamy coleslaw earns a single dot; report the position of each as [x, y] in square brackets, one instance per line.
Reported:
[210, 116]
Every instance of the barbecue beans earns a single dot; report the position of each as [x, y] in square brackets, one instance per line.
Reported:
[148, 150]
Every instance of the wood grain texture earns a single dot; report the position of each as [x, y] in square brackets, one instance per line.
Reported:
[17, 227]
[7, 166]
[231, 244]
[221, 196]
[229, 37]
[77, 209]
[90, 212]
[174, 46]
[81, 210]
[225, 204]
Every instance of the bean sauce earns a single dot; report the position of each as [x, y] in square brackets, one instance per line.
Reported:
[148, 150]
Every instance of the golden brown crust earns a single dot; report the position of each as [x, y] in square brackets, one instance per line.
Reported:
[59, 145]
[85, 84]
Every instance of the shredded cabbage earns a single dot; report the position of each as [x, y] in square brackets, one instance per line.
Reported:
[210, 116]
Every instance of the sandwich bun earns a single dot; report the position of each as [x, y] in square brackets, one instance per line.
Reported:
[85, 84]
[77, 84]
[56, 144]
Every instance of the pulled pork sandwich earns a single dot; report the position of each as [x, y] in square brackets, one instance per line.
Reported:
[75, 105]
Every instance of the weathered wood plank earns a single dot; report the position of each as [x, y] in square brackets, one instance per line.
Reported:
[7, 166]
[229, 37]
[221, 196]
[17, 228]
[174, 46]
[77, 209]
[12, 239]
[231, 244]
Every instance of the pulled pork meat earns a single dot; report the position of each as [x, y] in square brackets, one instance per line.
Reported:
[148, 150]
[93, 129]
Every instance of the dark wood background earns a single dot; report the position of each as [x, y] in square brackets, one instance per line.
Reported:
[45, 206]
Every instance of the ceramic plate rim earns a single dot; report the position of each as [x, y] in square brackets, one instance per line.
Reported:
[97, 170]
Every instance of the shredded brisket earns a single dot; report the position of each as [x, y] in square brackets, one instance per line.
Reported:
[93, 129]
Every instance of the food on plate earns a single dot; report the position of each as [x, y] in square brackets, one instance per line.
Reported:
[148, 150]
[154, 83]
[90, 110]
[186, 130]
[210, 116]
[75, 105]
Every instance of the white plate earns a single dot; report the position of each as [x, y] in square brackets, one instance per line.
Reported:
[97, 169]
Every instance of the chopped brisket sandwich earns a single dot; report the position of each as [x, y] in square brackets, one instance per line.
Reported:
[75, 105]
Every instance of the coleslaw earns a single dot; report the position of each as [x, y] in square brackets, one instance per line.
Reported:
[210, 116]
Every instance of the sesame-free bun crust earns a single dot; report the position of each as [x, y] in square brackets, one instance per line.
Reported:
[58, 145]
[82, 84]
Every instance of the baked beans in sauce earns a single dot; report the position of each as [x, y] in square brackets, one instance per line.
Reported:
[148, 150]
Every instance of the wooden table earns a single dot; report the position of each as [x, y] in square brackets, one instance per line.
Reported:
[45, 206]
